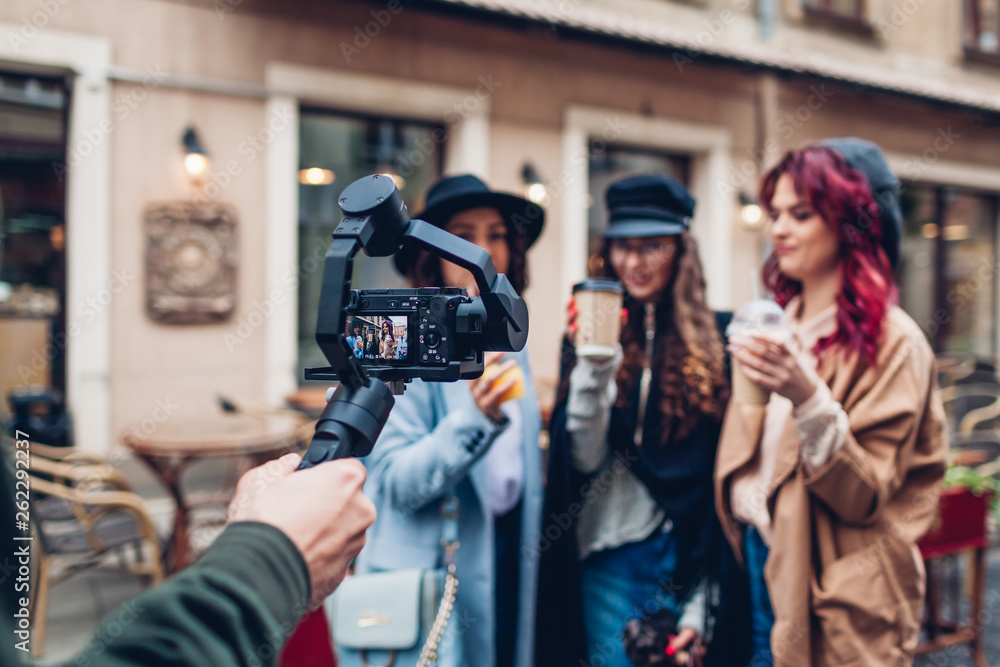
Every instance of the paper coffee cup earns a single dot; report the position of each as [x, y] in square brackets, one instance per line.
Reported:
[598, 317]
[760, 317]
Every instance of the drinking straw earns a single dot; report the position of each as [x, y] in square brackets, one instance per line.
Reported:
[756, 285]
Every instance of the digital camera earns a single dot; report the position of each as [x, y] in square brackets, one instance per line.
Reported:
[376, 340]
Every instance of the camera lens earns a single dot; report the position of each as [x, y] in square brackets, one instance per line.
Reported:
[433, 338]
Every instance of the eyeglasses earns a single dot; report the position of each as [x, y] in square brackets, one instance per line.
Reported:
[647, 248]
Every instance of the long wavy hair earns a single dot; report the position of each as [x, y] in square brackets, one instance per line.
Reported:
[843, 198]
[688, 355]
[426, 271]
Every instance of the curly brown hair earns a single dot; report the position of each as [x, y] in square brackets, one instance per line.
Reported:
[426, 270]
[688, 353]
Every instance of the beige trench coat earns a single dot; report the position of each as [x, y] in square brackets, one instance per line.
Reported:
[845, 577]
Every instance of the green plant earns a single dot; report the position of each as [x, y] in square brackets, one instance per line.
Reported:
[975, 481]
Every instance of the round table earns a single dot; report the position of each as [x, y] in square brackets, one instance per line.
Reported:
[309, 400]
[176, 444]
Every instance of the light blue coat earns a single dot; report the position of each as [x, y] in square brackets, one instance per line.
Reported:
[432, 443]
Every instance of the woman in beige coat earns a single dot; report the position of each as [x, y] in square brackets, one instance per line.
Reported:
[832, 482]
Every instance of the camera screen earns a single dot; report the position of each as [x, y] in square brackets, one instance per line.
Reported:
[380, 340]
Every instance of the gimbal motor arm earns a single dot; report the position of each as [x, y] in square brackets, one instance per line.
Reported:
[375, 219]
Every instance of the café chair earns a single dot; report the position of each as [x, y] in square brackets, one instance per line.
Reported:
[67, 454]
[975, 449]
[78, 468]
[954, 367]
[80, 520]
[970, 407]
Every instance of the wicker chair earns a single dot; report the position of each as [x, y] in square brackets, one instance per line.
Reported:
[83, 515]
[971, 407]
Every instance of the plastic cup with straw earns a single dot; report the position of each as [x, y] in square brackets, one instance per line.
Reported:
[759, 317]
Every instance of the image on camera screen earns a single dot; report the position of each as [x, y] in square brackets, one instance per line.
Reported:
[378, 339]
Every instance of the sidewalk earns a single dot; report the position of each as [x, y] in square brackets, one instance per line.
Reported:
[958, 656]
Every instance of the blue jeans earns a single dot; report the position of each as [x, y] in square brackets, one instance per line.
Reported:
[762, 616]
[623, 583]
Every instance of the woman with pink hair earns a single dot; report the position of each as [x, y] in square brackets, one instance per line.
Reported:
[825, 490]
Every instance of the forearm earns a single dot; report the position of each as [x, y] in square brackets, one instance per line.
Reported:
[237, 605]
[822, 427]
[693, 611]
[417, 472]
[865, 473]
[592, 392]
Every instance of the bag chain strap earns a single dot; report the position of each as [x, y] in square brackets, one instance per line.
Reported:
[428, 654]
[449, 541]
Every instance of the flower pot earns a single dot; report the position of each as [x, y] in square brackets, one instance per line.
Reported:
[960, 525]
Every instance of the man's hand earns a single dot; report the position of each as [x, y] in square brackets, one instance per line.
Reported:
[322, 511]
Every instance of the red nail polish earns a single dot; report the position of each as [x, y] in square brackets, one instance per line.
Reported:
[670, 649]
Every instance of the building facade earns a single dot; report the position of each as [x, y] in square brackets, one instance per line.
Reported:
[292, 102]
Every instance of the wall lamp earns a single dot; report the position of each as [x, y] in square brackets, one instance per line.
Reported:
[316, 176]
[534, 186]
[195, 155]
[751, 213]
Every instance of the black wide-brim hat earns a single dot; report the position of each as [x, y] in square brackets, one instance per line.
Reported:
[454, 194]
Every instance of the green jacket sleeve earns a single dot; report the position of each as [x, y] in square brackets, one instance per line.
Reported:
[236, 606]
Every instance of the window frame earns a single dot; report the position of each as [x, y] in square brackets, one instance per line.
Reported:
[465, 110]
[820, 13]
[962, 175]
[311, 223]
[710, 149]
[939, 331]
[972, 30]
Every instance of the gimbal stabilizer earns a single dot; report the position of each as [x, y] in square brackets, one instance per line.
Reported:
[376, 221]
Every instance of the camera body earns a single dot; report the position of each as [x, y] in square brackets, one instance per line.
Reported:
[434, 333]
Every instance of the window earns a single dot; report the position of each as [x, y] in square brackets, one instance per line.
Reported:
[335, 150]
[851, 9]
[844, 16]
[33, 117]
[612, 163]
[949, 253]
[982, 27]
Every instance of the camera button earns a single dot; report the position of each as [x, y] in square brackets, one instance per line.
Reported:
[365, 303]
[433, 338]
[392, 304]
